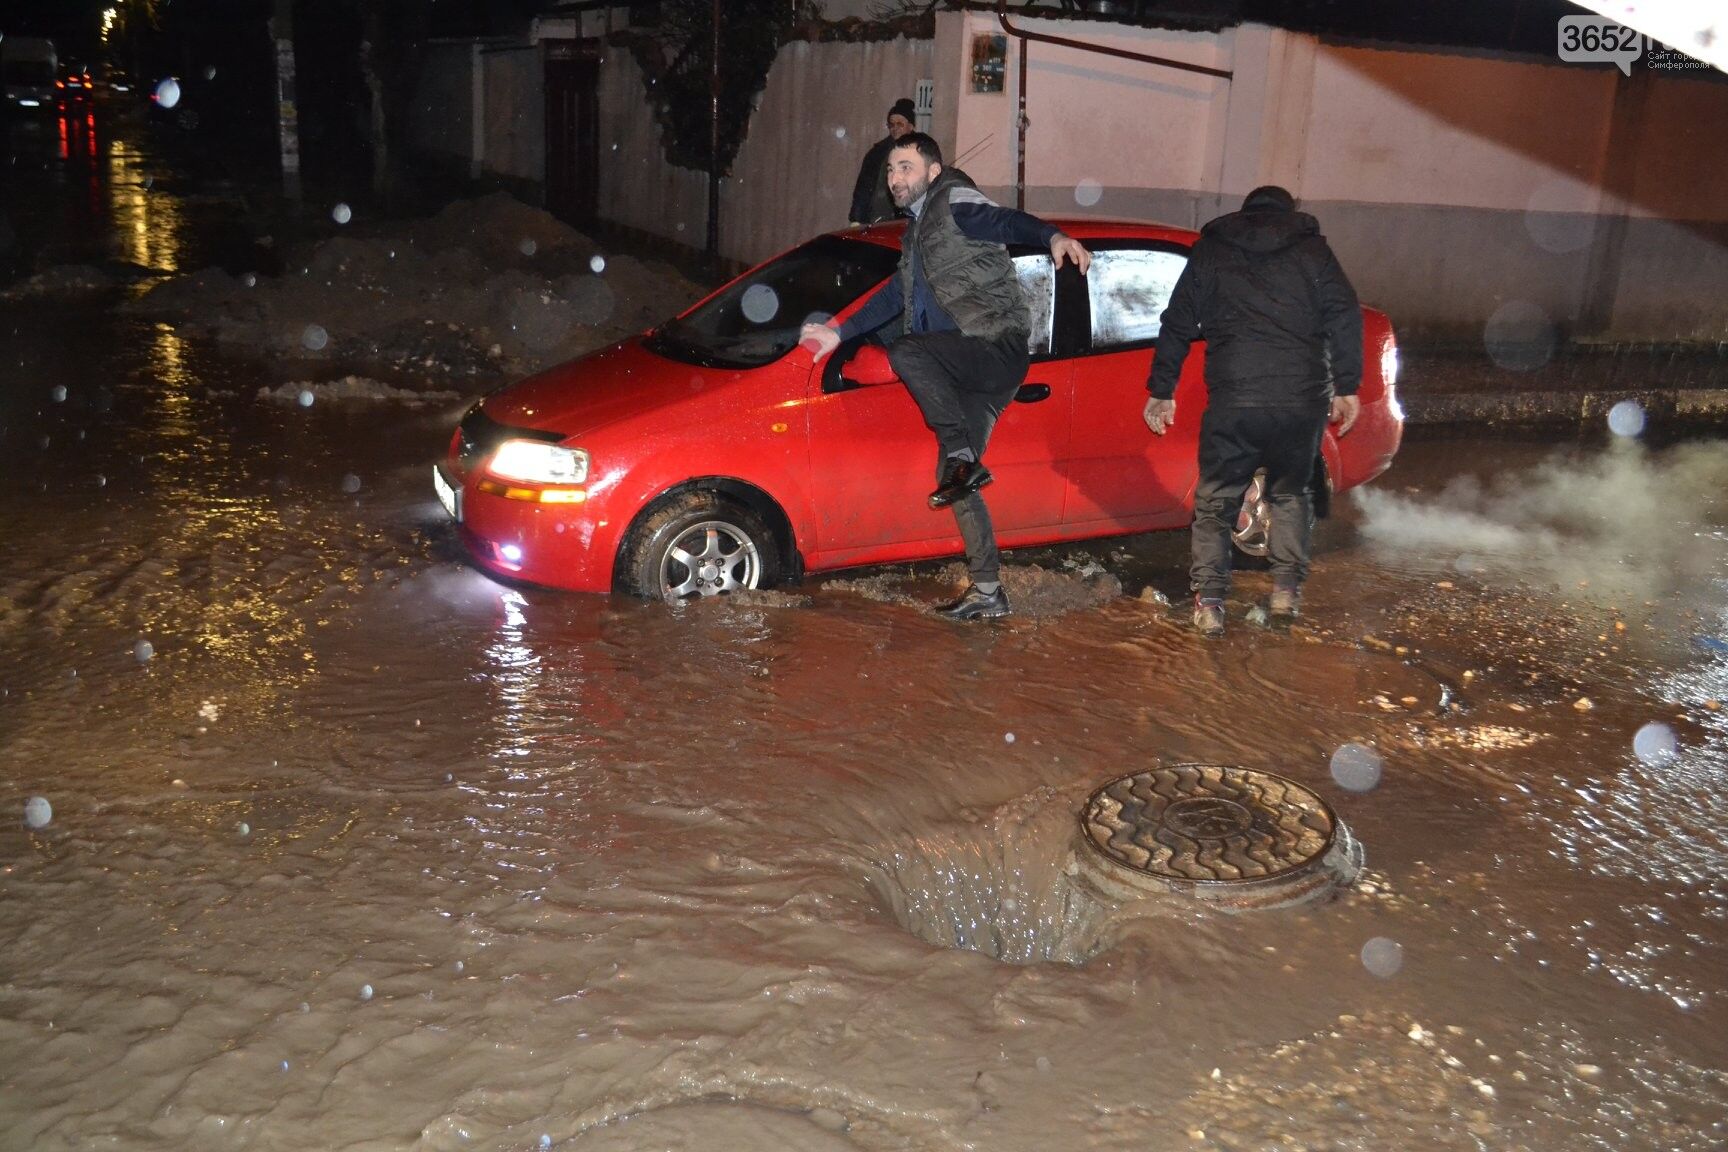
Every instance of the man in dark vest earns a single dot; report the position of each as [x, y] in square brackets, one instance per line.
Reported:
[1283, 334]
[962, 347]
[872, 203]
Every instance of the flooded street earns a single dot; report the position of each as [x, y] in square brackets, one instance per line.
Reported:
[351, 847]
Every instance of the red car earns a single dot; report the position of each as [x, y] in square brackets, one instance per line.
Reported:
[710, 454]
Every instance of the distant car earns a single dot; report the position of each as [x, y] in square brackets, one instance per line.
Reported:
[114, 81]
[29, 68]
[76, 84]
[710, 455]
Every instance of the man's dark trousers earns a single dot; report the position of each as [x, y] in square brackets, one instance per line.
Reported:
[962, 385]
[1234, 443]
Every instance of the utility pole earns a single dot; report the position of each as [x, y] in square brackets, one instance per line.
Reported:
[287, 112]
[713, 250]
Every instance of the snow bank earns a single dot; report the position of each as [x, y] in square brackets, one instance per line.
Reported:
[304, 394]
[488, 287]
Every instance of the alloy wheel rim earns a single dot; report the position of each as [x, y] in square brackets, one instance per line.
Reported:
[708, 559]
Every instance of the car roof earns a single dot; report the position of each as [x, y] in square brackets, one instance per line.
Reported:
[1082, 228]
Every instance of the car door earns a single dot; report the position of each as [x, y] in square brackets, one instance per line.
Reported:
[873, 462]
[1120, 476]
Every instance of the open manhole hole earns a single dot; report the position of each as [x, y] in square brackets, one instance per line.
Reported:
[1234, 837]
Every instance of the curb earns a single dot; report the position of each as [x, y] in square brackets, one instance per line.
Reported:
[1661, 405]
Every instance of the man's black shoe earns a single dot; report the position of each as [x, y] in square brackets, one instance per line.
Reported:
[976, 605]
[963, 478]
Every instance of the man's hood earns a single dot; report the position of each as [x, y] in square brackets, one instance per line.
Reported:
[1262, 230]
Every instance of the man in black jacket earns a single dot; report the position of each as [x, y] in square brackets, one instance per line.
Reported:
[1283, 334]
[962, 346]
[872, 203]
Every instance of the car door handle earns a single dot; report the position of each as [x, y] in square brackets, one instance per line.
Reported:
[1032, 393]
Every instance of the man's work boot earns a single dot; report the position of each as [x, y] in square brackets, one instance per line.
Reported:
[976, 605]
[962, 478]
[1286, 604]
[1209, 617]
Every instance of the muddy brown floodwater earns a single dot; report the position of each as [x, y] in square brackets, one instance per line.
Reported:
[320, 840]
[351, 847]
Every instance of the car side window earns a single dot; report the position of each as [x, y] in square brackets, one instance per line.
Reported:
[1129, 289]
[1038, 286]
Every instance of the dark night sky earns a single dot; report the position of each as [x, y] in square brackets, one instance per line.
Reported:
[1520, 25]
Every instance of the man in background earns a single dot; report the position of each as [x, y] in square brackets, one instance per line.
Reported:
[872, 203]
[1283, 334]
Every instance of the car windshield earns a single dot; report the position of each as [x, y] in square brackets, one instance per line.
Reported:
[755, 319]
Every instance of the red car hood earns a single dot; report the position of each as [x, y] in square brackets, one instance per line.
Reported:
[602, 388]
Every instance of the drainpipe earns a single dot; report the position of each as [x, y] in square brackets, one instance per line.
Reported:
[1080, 45]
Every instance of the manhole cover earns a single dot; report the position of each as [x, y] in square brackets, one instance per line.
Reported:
[1233, 835]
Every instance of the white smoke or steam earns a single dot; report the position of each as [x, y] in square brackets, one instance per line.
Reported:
[1625, 521]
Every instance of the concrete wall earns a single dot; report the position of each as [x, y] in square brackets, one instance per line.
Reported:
[481, 110]
[1458, 189]
[822, 108]
[515, 112]
[443, 126]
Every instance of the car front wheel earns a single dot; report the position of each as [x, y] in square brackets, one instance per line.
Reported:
[699, 544]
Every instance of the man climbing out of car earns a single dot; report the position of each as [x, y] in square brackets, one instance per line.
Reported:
[1283, 336]
[962, 346]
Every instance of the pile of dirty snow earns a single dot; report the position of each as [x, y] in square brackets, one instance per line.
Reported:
[488, 287]
[306, 393]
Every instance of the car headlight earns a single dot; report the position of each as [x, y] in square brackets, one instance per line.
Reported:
[537, 462]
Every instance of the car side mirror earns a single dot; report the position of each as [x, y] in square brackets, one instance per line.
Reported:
[858, 363]
[869, 366]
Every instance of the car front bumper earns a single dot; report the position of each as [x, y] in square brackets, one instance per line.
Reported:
[568, 546]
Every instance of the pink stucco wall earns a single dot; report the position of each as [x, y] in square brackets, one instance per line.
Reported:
[1452, 184]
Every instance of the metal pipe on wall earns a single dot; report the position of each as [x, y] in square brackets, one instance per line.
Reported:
[1079, 45]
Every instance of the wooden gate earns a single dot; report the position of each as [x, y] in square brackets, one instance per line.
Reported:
[573, 130]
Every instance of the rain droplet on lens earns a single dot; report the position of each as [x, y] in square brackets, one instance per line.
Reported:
[101, 481]
[250, 280]
[597, 263]
[306, 398]
[1519, 336]
[167, 95]
[1088, 192]
[1383, 957]
[365, 991]
[315, 338]
[1656, 745]
[528, 247]
[59, 393]
[350, 483]
[1356, 767]
[760, 303]
[143, 650]
[209, 71]
[38, 812]
[840, 133]
[1626, 419]
[341, 214]
[243, 828]
[1008, 737]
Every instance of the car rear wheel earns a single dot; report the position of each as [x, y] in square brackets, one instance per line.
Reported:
[699, 544]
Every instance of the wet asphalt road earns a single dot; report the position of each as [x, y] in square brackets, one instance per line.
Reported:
[352, 848]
